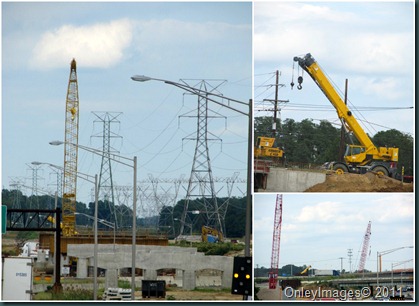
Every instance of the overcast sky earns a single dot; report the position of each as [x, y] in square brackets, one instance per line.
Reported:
[371, 44]
[111, 42]
[318, 229]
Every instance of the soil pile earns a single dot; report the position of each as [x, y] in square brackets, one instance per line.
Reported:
[369, 182]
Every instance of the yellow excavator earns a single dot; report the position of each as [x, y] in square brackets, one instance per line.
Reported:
[358, 158]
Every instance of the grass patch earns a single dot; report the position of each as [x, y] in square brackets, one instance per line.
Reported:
[67, 295]
[210, 290]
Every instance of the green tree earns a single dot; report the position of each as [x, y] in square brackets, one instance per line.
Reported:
[395, 138]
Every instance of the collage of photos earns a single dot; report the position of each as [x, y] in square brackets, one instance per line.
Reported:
[333, 162]
[246, 151]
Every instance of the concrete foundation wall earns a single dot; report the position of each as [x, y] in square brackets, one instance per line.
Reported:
[286, 180]
[153, 258]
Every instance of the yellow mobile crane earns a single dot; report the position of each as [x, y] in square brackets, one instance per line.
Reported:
[358, 158]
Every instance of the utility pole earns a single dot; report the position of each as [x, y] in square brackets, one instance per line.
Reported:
[341, 264]
[350, 259]
[342, 129]
[275, 105]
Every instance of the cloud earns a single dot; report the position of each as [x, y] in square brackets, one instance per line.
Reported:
[99, 45]
[176, 43]
[344, 38]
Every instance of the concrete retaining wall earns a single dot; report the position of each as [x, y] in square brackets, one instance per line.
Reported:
[286, 180]
[152, 258]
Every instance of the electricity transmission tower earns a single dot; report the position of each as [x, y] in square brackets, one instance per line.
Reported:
[105, 188]
[201, 182]
[33, 200]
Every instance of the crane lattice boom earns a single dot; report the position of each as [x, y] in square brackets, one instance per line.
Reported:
[276, 239]
[365, 248]
[70, 153]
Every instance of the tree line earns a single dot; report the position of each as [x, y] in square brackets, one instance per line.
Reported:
[317, 143]
[166, 222]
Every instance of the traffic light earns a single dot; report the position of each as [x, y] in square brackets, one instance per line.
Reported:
[242, 276]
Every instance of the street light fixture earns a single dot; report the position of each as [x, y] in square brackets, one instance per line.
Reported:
[117, 158]
[380, 254]
[212, 97]
[104, 222]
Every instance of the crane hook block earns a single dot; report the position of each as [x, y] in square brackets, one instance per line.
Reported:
[300, 81]
[292, 85]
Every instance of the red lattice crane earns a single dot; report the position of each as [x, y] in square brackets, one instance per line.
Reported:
[365, 248]
[276, 239]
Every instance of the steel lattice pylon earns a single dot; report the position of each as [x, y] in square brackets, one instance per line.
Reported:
[70, 153]
[201, 182]
[105, 188]
[276, 239]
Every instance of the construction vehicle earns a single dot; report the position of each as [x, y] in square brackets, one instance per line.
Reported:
[358, 158]
[265, 148]
[265, 155]
[305, 271]
[209, 234]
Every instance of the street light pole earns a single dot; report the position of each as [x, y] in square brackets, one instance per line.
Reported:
[380, 254]
[88, 178]
[95, 247]
[395, 265]
[134, 205]
[134, 230]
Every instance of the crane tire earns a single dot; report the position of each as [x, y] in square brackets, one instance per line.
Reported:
[340, 169]
[380, 170]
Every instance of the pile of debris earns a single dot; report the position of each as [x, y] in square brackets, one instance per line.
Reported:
[369, 182]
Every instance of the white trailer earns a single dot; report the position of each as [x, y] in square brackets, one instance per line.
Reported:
[17, 278]
[318, 272]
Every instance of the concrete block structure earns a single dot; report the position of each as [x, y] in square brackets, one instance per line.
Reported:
[286, 180]
[186, 261]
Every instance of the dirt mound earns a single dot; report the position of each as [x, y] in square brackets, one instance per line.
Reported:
[369, 182]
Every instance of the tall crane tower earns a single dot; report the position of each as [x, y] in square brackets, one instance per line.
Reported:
[70, 153]
[276, 239]
[365, 248]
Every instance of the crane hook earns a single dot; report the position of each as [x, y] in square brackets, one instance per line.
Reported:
[300, 81]
[292, 85]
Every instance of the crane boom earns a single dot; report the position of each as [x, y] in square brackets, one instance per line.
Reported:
[70, 153]
[276, 239]
[365, 245]
[358, 158]
[351, 124]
